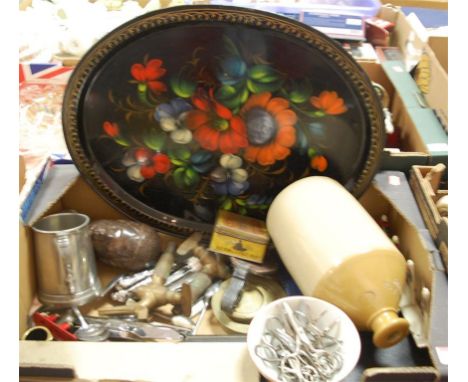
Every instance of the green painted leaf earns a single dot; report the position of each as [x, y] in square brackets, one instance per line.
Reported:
[121, 141]
[317, 113]
[259, 71]
[177, 162]
[155, 140]
[178, 177]
[227, 205]
[252, 86]
[233, 96]
[226, 91]
[298, 96]
[182, 153]
[256, 87]
[232, 103]
[311, 152]
[244, 95]
[184, 88]
[243, 211]
[143, 98]
[241, 202]
[268, 79]
[263, 207]
[191, 177]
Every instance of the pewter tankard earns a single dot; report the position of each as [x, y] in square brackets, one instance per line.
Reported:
[65, 261]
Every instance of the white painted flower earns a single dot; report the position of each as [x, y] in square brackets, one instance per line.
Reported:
[172, 117]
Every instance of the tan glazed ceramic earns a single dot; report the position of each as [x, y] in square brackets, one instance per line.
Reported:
[335, 251]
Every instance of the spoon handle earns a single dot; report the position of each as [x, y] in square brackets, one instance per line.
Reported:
[199, 284]
[200, 319]
[80, 317]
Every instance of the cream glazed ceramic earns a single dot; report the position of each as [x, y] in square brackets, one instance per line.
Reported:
[335, 251]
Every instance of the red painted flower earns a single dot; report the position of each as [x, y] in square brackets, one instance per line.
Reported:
[149, 74]
[270, 128]
[319, 163]
[161, 163]
[214, 126]
[111, 129]
[144, 164]
[329, 103]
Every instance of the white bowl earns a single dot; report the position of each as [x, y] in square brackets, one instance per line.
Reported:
[348, 334]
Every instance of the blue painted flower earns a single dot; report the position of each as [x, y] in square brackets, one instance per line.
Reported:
[171, 117]
[202, 161]
[256, 201]
[229, 178]
[232, 70]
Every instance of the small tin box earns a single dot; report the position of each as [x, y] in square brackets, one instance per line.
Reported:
[239, 236]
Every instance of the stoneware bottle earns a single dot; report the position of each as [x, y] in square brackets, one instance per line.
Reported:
[335, 251]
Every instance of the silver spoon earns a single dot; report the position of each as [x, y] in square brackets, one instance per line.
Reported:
[210, 292]
[90, 332]
[183, 321]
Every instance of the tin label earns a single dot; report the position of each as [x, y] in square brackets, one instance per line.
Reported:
[234, 246]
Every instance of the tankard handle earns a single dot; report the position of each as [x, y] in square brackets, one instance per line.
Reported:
[62, 243]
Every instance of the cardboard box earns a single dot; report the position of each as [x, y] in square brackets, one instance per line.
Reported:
[413, 358]
[438, 41]
[412, 149]
[416, 148]
[426, 184]
[422, 357]
[434, 72]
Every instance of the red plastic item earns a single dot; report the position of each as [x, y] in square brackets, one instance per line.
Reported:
[59, 331]
[393, 140]
[378, 31]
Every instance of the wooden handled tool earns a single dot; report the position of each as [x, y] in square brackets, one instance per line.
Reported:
[211, 265]
[155, 294]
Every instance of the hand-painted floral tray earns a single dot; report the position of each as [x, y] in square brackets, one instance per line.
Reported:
[188, 110]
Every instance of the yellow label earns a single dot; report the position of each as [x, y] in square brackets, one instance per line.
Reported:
[422, 74]
[233, 246]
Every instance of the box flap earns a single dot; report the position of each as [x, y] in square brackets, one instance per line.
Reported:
[411, 111]
[393, 374]
[438, 41]
[410, 38]
[22, 172]
[399, 190]
[52, 182]
[225, 361]
[439, 323]
[27, 277]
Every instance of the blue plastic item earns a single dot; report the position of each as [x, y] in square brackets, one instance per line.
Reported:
[363, 8]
